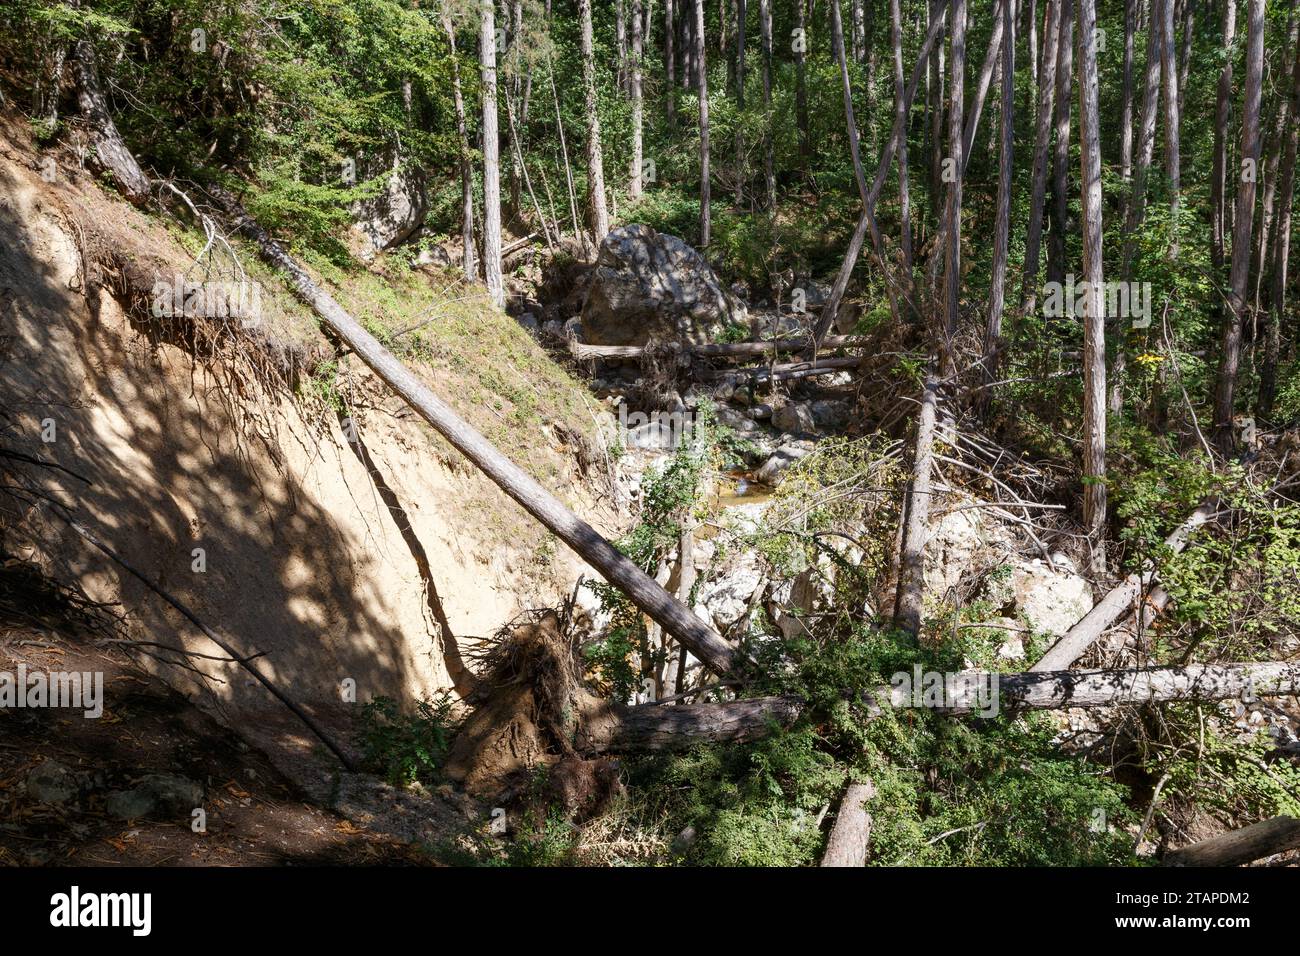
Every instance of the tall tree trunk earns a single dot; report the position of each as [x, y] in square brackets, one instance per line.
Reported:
[466, 163]
[1094, 322]
[491, 156]
[1061, 154]
[935, 109]
[1042, 147]
[953, 208]
[991, 60]
[902, 106]
[859, 31]
[1030, 10]
[564, 151]
[769, 149]
[1222, 121]
[702, 88]
[1281, 250]
[801, 84]
[670, 64]
[595, 162]
[1146, 139]
[742, 18]
[1243, 222]
[1126, 110]
[1169, 77]
[1002, 222]
[1185, 56]
[634, 81]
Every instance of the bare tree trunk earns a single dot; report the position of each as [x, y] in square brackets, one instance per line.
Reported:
[1222, 121]
[1061, 154]
[595, 161]
[1185, 57]
[896, 140]
[1126, 111]
[1042, 146]
[702, 88]
[953, 210]
[1146, 138]
[902, 105]
[935, 108]
[1281, 250]
[849, 838]
[742, 17]
[859, 31]
[1094, 322]
[491, 158]
[564, 151]
[466, 164]
[657, 728]
[1031, 29]
[801, 84]
[634, 80]
[850, 120]
[909, 602]
[769, 153]
[680, 622]
[1240, 846]
[670, 64]
[991, 59]
[1225, 390]
[1169, 75]
[110, 154]
[1002, 223]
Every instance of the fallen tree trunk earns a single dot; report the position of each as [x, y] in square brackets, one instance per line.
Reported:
[651, 728]
[1116, 603]
[847, 844]
[1240, 846]
[589, 544]
[716, 349]
[789, 369]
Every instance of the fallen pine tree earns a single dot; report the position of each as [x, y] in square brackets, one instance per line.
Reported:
[620, 729]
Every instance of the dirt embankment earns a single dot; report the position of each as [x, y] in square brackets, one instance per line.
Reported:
[332, 559]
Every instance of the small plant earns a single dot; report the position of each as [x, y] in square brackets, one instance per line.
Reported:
[408, 748]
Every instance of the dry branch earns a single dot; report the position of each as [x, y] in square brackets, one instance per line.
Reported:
[1240, 846]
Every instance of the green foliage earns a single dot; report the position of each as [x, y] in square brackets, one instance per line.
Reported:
[406, 748]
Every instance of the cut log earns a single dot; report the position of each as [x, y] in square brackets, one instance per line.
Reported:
[655, 728]
[847, 844]
[1240, 846]
[1116, 603]
[717, 349]
[702, 641]
[789, 369]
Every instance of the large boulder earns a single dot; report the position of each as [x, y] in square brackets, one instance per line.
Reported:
[390, 217]
[648, 284]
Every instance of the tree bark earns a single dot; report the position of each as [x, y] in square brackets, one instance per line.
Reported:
[1126, 110]
[622, 729]
[1222, 120]
[1094, 320]
[1281, 250]
[849, 839]
[909, 602]
[1002, 222]
[595, 161]
[491, 157]
[742, 16]
[1243, 222]
[1146, 139]
[1042, 145]
[1169, 75]
[769, 149]
[111, 154]
[702, 88]
[634, 82]
[677, 620]
[466, 164]
[1240, 846]
[953, 210]
[670, 64]
[1061, 153]
[801, 85]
